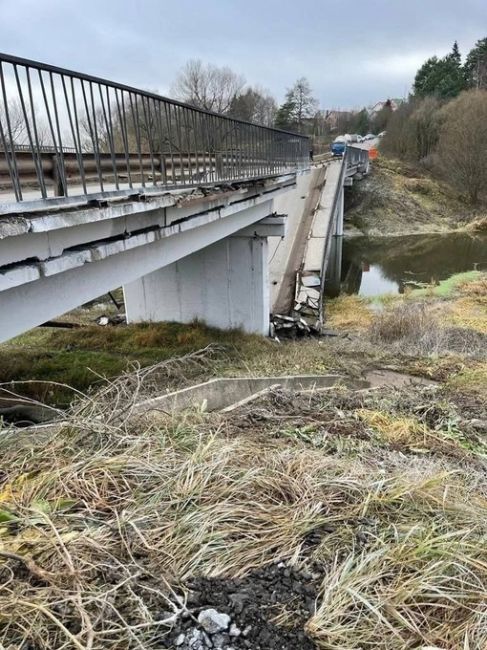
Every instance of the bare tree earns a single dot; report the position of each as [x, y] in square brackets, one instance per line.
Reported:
[16, 121]
[208, 86]
[462, 147]
[299, 105]
[20, 127]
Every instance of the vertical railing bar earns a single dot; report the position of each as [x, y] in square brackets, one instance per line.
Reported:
[204, 143]
[123, 126]
[34, 150]
[109, 108]
[109, 133]
[232, 152]
[180, 142]
[49, 121]
[188, 139]
[167, 112]
[9, 162]
[149, 138]
[85, 101]
[97, 141]
[135, 116]
[36, 134]
[77, 137]
[13, 158]
[239, 149]
[63, 178]
[195, 141]
[162, 159]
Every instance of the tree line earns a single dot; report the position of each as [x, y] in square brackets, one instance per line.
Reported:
[443, 124]
[222, 90]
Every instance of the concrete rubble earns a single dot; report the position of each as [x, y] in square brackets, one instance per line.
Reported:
[215, 630]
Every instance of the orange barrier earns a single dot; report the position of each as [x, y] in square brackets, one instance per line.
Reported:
[373, 153]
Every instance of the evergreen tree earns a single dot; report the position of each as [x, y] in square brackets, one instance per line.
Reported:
[455, 54]
[362, 122]
[476, 65]
[285, 115]
[443, 78]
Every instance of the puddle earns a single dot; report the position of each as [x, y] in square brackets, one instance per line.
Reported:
[375, 266]
[384, 377]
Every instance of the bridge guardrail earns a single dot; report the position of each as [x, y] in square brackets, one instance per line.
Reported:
[63, 133]
[356, 156]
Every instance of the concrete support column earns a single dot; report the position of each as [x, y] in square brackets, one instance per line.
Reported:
[225, 285]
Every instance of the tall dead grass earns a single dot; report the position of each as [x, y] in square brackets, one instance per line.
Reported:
[101, 524]
[423, 328]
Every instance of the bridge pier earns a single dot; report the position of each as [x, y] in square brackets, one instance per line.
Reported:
[226, 284]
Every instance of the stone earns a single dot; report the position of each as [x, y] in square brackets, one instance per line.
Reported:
[194, 640]
[212, 621]
[180, 640]
[234, 630]
[220, 641]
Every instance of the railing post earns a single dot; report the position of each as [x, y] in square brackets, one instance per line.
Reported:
[116, 133]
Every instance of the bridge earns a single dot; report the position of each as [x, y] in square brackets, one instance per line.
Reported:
[104, 185]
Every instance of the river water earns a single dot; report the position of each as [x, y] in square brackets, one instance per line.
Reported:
[374, 266]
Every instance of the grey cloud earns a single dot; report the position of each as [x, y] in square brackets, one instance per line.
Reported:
[353, 52]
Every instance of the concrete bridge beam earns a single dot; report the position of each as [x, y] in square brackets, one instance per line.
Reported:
[225, 284]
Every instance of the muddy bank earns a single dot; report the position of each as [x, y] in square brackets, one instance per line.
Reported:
[396, 199]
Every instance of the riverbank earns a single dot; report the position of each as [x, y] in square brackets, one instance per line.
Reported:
[399, 199]
[54, 365]
[294, 517]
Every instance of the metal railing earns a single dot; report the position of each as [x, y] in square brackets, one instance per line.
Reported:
[67, 134]
[356, 156]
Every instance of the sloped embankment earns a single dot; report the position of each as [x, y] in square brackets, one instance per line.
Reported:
[397, 199]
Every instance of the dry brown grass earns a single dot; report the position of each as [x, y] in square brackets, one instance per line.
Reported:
[348, 312]
[100, 525]
[478, 225]
[403, 321]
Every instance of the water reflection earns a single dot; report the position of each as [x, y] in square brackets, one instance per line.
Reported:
[373, 266]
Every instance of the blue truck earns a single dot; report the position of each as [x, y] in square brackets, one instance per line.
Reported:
[338, 147]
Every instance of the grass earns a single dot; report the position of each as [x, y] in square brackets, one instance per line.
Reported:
[83, 358]
[115, 512]
[402, 199]
[380, 493]
[449, 287]
[348, 312]
[44, 363]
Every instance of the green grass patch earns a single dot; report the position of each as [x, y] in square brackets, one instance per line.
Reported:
[449, 287]
[81, 358]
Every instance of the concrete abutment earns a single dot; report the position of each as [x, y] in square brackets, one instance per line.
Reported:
[226, 284]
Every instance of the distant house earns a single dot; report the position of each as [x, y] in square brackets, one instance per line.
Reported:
[378, 106]
[334, 118]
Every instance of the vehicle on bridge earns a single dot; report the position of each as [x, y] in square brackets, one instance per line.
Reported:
[339, 146]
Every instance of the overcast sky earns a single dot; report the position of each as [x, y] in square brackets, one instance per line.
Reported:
[354, 52]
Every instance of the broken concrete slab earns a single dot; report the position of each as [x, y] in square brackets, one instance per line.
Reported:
[217, 394]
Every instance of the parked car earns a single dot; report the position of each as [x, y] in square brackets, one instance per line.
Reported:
[370, 136]
[339, 146]
[381, 134]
